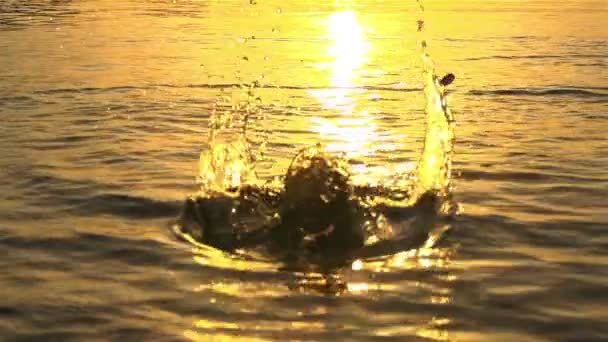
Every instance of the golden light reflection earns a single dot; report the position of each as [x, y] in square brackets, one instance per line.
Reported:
[348, 51]
[356, 281]
[411, 259]
[357, 288]
[436, 329]
[225, 331]
[214, 335]
[356, 130]
[205, 255]
[357, 265]
[349, 47]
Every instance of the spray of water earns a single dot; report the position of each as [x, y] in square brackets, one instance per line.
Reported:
[433, 173]
[227, 163]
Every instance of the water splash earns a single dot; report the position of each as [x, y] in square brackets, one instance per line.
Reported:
[224, 167]
[433, 173]
[227, 166]
[227, 161]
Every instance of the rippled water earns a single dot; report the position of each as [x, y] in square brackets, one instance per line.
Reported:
[105, 107]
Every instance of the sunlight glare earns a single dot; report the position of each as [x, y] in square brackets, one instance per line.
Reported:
[352, 135]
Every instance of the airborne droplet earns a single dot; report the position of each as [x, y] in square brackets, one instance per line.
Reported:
[447, 79]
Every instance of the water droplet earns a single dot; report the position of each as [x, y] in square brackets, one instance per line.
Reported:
[447, 79]
[420, 25]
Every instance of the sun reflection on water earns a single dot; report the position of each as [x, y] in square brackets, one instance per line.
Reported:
[437, 327]
[353, 132]
[348, 51]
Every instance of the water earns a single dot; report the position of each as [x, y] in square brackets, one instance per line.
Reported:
[106, 108]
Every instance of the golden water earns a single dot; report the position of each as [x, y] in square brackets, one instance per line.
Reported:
[107, 105]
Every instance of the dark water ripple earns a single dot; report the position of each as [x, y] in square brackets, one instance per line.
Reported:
[96, 90]
[574, 92]
[19, 14]
[509, 57]
[101, 131]
[126, 206]
[528, 177]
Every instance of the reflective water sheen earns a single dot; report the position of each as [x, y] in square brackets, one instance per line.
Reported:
[107, 105]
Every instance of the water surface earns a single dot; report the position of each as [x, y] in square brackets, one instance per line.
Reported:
[105, 108]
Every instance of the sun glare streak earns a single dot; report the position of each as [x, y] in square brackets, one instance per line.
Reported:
[354, 133]
[349, 47]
